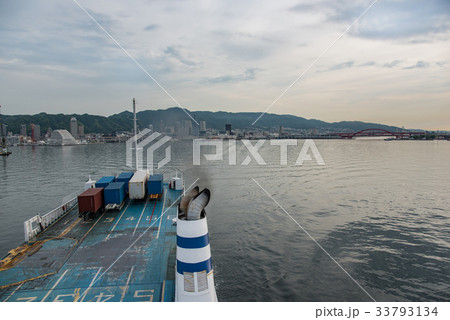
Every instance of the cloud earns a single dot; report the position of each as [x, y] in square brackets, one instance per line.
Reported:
[302, 7]
[368, 64]
[340, 66]
[151, 27]
[391, 64]
[411, 20]
[175, 53]
[53, 54]
[248, 74]
[418, 65]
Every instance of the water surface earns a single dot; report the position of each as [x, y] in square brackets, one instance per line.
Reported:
[379, 208]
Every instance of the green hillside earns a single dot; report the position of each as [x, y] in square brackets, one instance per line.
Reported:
[215, 120]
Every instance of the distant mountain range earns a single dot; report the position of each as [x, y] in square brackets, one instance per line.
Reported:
[214, 120]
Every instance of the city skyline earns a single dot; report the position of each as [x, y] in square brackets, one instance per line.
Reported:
[390, 67]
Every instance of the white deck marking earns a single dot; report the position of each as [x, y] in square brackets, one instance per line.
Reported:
[90, 285]
[163, 289]
[138, 295]
[142, 234]
[140, 217]
[118, 220]
[162, 212]
[54, 286]
[17, 288]
[125, 289]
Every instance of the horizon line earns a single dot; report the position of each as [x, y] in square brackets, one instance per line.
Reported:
[193, 111]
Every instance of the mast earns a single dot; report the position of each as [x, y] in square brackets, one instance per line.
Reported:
[135, 133]
[3, 145]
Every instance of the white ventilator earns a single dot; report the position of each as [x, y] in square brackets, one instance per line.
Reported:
[89, 184]
[194, 272]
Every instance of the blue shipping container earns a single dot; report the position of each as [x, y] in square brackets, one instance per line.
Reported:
[125, 177]
[114, 193]
[104, 181]
[155, 184]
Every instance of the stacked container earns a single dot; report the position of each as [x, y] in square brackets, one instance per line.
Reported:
[125, 177]
[138, 185]
[114, 193]
[104, 181]
[90, 200]
[155, 184]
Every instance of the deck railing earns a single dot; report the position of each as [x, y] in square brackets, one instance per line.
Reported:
[37, 224]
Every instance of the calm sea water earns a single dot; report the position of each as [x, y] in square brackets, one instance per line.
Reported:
[379, 208]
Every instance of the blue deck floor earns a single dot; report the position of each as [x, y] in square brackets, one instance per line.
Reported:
[118, 256]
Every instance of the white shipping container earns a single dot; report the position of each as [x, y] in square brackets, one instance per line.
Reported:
[177, 183]
[138, 185]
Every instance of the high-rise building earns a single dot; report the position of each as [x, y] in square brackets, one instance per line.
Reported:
[3, 130]
[74, 127]
[23, 130]
[187, 128]
[80, 130]
[37, 132]
[228, 128]
[49, 132]
[33, 138]
[178, 129]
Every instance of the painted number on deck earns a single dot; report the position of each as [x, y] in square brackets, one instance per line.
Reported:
[139, 294]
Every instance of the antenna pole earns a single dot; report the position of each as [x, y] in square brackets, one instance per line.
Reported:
[135, 134]
[3, 138]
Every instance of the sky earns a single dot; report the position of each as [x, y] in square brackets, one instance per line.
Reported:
[392, 66]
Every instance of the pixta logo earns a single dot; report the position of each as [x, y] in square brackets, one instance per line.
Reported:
[253, 151]
[153, 142]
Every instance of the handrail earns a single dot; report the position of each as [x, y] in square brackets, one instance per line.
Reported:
[37, 224]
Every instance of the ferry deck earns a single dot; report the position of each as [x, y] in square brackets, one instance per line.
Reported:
[126, 255]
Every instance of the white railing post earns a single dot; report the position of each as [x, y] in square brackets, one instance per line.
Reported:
[42, 222]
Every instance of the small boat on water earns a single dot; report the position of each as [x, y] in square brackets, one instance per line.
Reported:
[4, 152]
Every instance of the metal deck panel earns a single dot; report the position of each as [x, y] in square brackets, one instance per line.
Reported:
[119, 256]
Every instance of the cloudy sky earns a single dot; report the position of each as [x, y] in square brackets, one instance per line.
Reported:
[392, 66]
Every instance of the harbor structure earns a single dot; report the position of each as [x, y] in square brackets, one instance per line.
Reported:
[62, 138]
[35, 132]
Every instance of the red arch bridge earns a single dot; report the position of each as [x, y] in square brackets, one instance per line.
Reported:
[378, 133]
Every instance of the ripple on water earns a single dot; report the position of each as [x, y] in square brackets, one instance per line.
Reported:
[374, 207]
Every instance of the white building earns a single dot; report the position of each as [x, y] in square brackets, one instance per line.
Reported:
[202, 125]
[62, 138]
